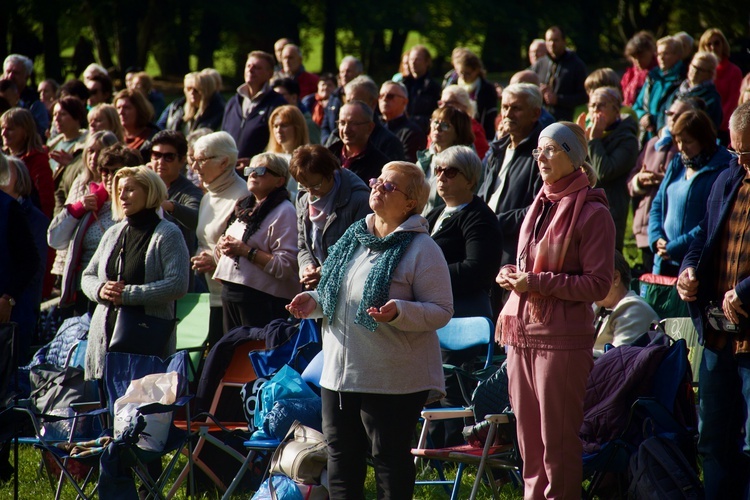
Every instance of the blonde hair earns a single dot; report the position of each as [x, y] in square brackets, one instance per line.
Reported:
[708, 58]
[417, 187]
[706, 37]
[610, 94]
[108, 112]
[671, 43]
[156, 190]
[602, 77]
[296, 119]
[23, 119]
[206, 86]
[272, 161]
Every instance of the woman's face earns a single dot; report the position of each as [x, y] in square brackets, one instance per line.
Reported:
[283, 132]
[393, 205]
[666, 57]
[316, 184]
[687, 145]
[261, 186]
[14, 138]
[107, 176]
[452, 185]
[92, 157]
[466, 74]
[715, 45]
[208, 167]
[128, 114]
[98, 122]
[674, 112]
[699, 72]
[192, 94]
[132, 196]
[46, 93]
[64, 122]
[643, 60]
[555, 168]
[442, 133]
[603, 109]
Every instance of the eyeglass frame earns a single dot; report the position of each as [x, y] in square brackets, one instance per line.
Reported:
[388, 186]
[203, 161]
[259, 171]
[441, 125]
[548, 152]
[737, 154]
[449, 172]
[167, 157]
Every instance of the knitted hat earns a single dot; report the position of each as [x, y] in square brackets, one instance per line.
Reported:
[567, 140]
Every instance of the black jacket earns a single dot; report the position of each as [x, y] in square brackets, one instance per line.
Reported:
[411, 136]
[520, 189]
[368, 165]
[173, 116]
[566, 76]
[424, 94]
[250, 132]
[384, 140]
[470, 240]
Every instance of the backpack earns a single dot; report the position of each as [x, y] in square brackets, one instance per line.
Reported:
[659, 470]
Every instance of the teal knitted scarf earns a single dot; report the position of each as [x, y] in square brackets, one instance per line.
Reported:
[378, 285]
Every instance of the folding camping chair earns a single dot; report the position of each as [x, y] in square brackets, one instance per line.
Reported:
[194, 312]
[683, 328]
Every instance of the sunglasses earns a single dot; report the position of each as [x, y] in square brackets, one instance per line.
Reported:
[167, 157]
[259, 172]
[107, 170]
[449, 172]
[390, 97]
[388, 187]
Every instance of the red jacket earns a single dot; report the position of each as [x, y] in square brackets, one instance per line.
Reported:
[37, 163]
[728, 81]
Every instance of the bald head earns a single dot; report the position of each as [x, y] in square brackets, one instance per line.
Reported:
[525, 76]
[291, 59]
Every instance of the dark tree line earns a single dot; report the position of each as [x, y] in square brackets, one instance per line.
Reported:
[122, 33]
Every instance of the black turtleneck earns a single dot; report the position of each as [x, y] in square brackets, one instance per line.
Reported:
[133, 243]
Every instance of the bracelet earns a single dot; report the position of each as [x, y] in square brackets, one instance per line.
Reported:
[251, 254]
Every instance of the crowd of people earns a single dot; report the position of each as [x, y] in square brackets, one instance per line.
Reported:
[386, 210]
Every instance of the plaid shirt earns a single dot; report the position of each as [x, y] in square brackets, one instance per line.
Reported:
[733, 262]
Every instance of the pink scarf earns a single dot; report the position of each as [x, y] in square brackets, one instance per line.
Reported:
[570, 194]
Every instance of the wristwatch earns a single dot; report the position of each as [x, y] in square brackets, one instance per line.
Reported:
[10, 300]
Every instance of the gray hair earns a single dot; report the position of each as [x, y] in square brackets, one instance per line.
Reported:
[23, 185]
[365, 83]
[461, 96]
[740, 119]
[463, 158]
[18, 58]
[530, 91]
[400, 85]
[366, 109]
[357, 63]
[218, 144]
[272, 161]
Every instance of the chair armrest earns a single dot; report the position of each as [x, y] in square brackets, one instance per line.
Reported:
[446, 413]
[497, 418]
[86, 406]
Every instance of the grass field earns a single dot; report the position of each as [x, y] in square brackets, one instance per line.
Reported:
[34, 484]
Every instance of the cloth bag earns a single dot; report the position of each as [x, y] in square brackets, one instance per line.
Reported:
[302, 455]
[154, 388]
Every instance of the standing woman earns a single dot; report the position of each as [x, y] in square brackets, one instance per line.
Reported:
[565, 262]
[153, 271]
[287, 130]
[469, 73]
[257, 255]
[728, 78]
[21, 140]
[214, 159]
[382, 296]
[613, 150]
[136, 114]
[69, 118]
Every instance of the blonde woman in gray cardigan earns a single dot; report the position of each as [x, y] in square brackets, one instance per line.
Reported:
[383, 293]
[155, 265]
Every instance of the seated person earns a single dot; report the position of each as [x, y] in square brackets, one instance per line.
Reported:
[622, 316]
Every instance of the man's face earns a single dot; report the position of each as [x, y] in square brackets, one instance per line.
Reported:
[17, 72]
[278, 47]
[347, 72]
[290, 60]
[417, 63]
[555, 42]
[741, 144]
[257, 72]
[518, 116]
[166, 162]
[537, 50]
[392, 101]
[354, 127]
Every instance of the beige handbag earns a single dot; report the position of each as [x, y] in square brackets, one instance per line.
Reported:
[302, 455]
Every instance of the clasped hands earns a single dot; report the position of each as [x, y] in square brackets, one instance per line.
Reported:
[513, 281]
[112, 292]
[731, 305]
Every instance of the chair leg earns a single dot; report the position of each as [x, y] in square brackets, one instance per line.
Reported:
[483, 461]
[240, 474]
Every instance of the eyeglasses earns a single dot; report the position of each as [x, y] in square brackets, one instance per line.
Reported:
[167, 157]
[738, 154]
[203, 161]
[548, 153]
[390, 97]
[343, 124]
[596, 106]
[449, 172]
[698, 68]
[107, 170]
[441, 126]
[259, 172]
[388, 187]
[315, 187]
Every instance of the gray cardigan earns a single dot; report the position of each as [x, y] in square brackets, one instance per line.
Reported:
[167, 269]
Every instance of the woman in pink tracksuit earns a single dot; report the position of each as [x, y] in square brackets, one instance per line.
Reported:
[565, 261]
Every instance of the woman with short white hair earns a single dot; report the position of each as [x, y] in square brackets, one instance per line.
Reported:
[700, 83]
[214, 160]
[457, 96]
